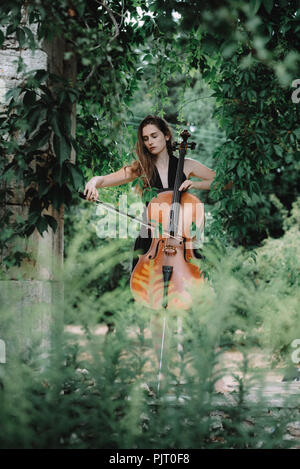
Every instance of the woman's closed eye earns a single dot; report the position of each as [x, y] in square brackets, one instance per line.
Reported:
[147, 138]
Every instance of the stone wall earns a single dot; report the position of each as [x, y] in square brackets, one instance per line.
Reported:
[39, 288]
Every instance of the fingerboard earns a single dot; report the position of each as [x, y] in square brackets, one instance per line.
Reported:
[175, 207]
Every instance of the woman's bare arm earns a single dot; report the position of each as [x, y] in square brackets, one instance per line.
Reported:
[199, 170]
[196, 169]
[123, 176]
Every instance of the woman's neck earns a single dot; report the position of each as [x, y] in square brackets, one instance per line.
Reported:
[162, 159]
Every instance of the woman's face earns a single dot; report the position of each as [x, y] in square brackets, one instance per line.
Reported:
[154, 139]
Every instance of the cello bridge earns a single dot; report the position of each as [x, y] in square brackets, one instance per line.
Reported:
[170, 250]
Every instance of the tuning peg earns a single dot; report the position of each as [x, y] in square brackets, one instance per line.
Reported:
[191, 145]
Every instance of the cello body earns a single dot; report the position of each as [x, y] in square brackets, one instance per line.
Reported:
[164, 275]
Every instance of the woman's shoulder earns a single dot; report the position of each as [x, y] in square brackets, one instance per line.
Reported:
[189, 166]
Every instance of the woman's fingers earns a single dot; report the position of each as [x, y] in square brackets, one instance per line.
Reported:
[185, 185]
[90, 192]
[87, 190]
[94, 195]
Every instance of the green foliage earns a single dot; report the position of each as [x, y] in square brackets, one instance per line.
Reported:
[39, 108]
[40, 160]
[90, 389]
[259, 155]
[247, 53]
[81, 224]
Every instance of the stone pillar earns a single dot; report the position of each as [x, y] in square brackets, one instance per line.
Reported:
[38, 289]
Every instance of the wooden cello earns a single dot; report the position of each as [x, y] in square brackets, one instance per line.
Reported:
[162, 277]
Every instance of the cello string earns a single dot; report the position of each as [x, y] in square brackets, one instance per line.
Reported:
[176, 194]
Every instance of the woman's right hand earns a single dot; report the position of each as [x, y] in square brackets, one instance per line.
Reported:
[90, 190]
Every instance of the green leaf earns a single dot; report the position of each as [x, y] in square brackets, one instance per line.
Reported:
[47, 92]
[43, 188]
[51, 221]
[148, 57]
[1, 38]
[41, 225]
[29, 230]
[54, 122]
[29, 98]
[240, 171]
[57, 196]
[80, 7]
[268, 5]
[11, 29]
[61, 97]
[76, 176]
[255, 4]
[65, 123]
[36, 115]
[297, 132]
[38, 142]
[29, 35]
[13, 93]
[85, 61]
[62, 148]
[33, 218]
[21, 37]
[72, 95]
[278, 150]
[41, 75]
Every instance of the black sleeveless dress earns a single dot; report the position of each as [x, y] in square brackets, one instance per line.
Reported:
[143, 241]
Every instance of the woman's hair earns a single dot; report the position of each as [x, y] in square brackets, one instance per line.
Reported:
[144, 166]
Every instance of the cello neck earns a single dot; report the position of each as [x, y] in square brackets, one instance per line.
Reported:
[175, 207]
[178, 178]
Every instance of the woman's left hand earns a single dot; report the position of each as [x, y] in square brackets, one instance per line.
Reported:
[187, 184]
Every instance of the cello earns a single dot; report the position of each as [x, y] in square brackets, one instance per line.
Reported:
[164, 275]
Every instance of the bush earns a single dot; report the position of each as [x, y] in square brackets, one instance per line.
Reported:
[95, 390]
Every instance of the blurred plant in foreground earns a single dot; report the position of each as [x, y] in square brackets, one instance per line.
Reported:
[98, 388]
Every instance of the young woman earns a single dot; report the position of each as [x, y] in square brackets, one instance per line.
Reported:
[156, 165]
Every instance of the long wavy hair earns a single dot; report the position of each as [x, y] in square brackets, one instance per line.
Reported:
[144, 166]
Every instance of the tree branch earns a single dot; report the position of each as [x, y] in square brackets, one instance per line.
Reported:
[111, 14]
